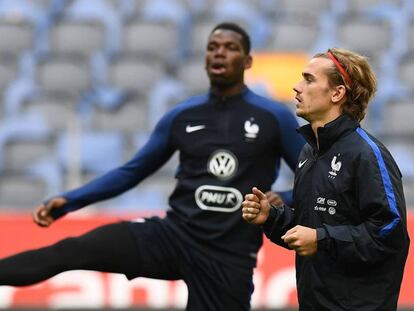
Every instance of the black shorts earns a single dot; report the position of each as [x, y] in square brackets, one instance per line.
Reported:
[211, 284]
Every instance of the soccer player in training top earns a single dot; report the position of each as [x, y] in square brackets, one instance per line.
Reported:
[348, 222]
[228, 140]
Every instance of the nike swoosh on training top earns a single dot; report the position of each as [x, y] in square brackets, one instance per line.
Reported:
[301, 163]
[190, 128]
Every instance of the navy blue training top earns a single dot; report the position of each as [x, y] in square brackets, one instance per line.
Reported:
[226, 146]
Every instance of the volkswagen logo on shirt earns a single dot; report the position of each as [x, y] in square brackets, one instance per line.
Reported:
[222, 164]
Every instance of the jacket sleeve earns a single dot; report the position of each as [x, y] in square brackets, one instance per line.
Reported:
[280, 220]
[382, 231]
[152, 156]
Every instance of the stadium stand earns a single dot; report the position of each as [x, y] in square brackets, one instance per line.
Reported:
[95, 75]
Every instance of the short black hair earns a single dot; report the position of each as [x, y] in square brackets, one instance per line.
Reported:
[236, 28]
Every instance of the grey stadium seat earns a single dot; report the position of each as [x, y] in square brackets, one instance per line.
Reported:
[16, 36]
[8, 70]
[294, 7]
[134, 73]
[58, 109]
[363, 35]
[194, 76]
[405, 70]
[19, 190]
[19, 154]
[128, 117]
[399, 118]
[85, 37]
[365, 5]
[64, 72]
[297, 33]
[160, 39]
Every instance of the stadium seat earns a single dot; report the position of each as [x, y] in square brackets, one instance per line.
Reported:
[19, 190]
[77, 36]
[193, 75]
[314, 8]
[36, 12]
[70, 73]
[94, 151]
[405, 70]
[134, 73]
[173, 11]
[363, 6]
[58, 109]
[398, 119]
[127, 117]
[8, 70]
[16, 36]
[369, 37]
[29, 132]
[242, 12]
[124, 7]
[93, 10]
[160, 39]
[20, 153]
[410, 35]
[293, 34]
[165, 95]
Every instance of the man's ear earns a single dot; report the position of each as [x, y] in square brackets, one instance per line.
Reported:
[339, 94]
[248, 62]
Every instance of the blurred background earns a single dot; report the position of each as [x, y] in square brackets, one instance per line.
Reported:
[83, 82]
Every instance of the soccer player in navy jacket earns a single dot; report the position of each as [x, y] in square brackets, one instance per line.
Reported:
[347, 223]
[228, 140]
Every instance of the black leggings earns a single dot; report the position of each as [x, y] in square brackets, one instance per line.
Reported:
[109, 248]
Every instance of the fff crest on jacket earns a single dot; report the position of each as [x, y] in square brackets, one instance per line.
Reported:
[335, 166]
[251, 129]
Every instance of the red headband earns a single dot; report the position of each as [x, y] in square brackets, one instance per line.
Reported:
[341, 69]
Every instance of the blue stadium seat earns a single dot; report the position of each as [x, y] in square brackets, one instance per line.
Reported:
[91, 10]
[26, 128]
[164, 11]
[95, 151]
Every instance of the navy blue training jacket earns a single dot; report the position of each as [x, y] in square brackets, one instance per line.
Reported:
[350, 191]
[226, 146]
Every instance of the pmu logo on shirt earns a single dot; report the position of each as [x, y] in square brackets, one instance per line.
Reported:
[222, 164]
[218, 199]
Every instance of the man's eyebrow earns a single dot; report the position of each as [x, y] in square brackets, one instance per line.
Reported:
[307, 75]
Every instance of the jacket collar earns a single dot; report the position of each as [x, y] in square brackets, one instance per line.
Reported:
[234, 98]
[330, 133]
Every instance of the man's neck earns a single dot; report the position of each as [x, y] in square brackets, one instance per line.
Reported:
[223, 91]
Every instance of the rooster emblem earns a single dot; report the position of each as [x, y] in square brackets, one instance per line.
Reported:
[251, 129]
[335, 165]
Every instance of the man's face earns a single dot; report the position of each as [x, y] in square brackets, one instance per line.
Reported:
[226, 59]
[313, 94]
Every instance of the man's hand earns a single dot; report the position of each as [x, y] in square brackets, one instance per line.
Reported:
[274, 198]
[301, 239]
[42, 213]
[256, 207]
